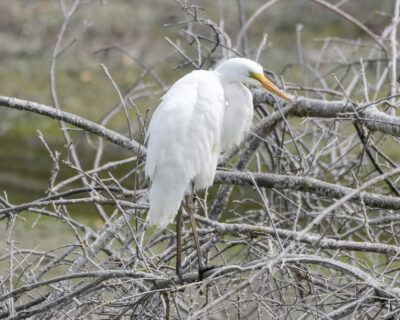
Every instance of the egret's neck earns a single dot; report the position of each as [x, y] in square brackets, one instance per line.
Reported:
[228, 75]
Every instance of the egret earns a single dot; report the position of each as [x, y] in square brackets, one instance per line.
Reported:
[203, 114]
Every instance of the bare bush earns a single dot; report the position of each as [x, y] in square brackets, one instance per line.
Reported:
[302, 221]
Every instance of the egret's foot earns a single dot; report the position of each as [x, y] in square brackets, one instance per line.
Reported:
[179, 274]
[204, 269]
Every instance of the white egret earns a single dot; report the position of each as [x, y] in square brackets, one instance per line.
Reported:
[202, 114]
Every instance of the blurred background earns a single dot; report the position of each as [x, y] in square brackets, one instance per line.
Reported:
[128, 36]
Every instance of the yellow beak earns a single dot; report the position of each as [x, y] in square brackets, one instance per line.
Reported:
[269, 86]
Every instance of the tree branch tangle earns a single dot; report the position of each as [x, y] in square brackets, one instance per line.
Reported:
[303, 219]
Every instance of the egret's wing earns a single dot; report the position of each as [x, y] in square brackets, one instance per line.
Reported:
[183, 142]
[238, 115]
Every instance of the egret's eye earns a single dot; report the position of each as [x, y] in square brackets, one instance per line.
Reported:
[255, 76]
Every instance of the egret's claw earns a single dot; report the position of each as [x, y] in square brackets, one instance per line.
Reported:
[205, 269]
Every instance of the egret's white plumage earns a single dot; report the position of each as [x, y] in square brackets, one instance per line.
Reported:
[238, 115]
[184, 142]
[202, 113]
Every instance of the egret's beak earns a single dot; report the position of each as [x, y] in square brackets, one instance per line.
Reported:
[269, 86]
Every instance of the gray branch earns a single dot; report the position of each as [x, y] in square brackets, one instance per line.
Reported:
[311, 239]
[303, 107]
[305, 184]
[369, 115]
[74, 120]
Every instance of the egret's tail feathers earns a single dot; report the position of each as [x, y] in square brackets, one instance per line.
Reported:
[165, 199]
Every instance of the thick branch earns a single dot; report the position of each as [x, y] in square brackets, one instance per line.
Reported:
[74, 120]
[311, 239]
[305, 184]
[304, 107]
[371, 117]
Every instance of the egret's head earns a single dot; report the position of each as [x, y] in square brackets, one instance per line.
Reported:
[248, 72]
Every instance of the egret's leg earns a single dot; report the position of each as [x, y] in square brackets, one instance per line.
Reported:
[195, 234]
[179, 245]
